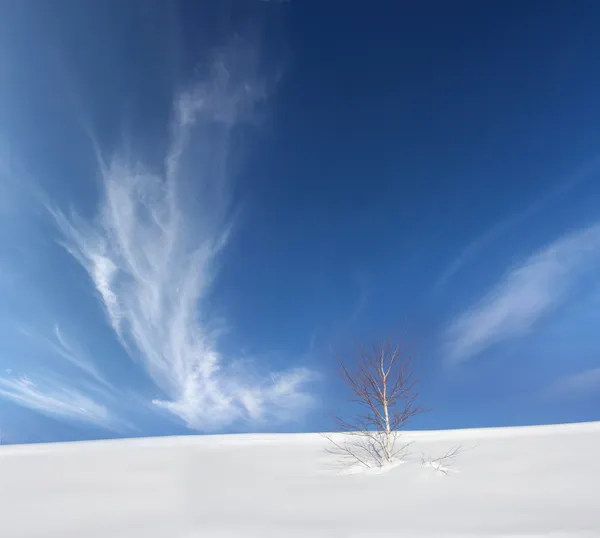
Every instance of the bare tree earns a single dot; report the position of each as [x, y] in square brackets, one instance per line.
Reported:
[381, 381]
[443, 464]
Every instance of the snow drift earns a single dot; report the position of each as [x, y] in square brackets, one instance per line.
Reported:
[508, 482]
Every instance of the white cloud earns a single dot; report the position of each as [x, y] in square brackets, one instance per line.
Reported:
[152, 256]
[475, 246]
[49, 398]
[62, 394]
[586, 172]
[580, 383]
[524, 295]
[60, 346]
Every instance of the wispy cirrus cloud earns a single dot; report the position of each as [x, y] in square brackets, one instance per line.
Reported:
[60, 396]
[580, 383]
[53, 398]
[152, 255]
[584, 173]
[74, 393]
[59, 345]
[525, 294]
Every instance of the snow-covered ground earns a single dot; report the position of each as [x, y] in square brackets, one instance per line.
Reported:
[513, 482]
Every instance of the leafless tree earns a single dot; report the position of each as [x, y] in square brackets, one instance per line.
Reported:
[382, 384]
[442, 464]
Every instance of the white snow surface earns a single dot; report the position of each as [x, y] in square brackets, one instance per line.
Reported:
[529, 482]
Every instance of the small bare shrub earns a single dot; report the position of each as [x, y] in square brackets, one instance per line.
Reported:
[382, 384]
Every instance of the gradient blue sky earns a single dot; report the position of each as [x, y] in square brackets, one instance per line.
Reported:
[202, 203]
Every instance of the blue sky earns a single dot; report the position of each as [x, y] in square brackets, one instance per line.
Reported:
[202, 204]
